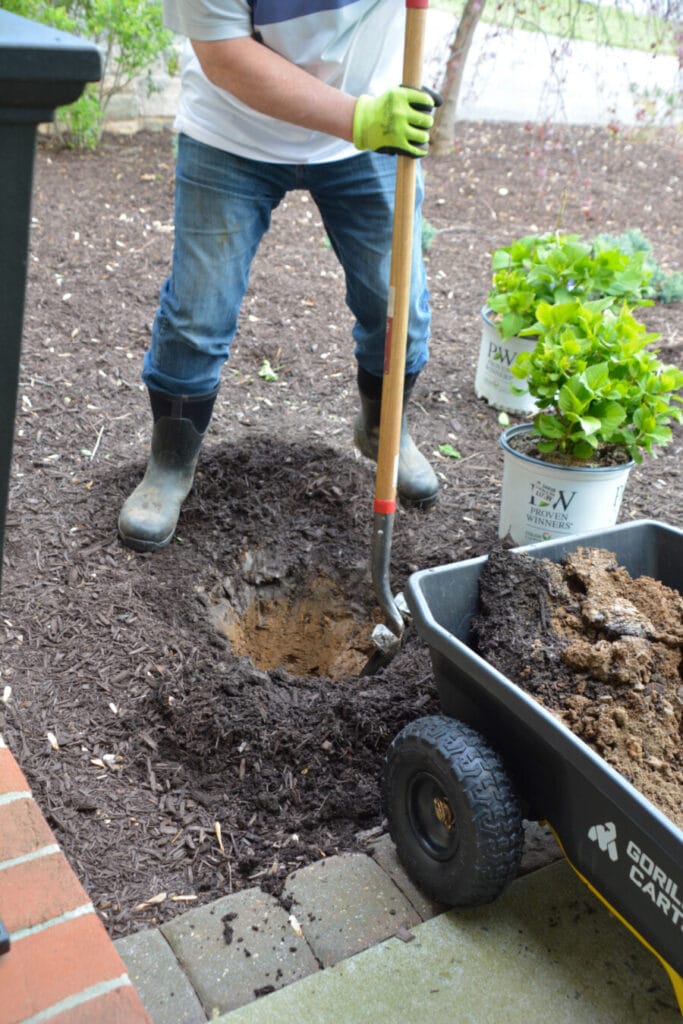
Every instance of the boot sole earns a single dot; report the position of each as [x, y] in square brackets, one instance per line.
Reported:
[421, 504]
[145, 546]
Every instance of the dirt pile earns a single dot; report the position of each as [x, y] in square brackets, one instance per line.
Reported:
[601, 650]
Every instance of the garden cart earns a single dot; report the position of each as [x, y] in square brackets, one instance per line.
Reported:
[457, 785]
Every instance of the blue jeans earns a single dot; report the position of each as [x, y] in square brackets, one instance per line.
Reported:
[223, 207]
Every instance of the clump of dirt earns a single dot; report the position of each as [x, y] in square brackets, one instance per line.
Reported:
[601, 650]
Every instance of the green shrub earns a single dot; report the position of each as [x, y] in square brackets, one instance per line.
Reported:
[596, 382]
[664, 286]
[556, 267]
[131, 38]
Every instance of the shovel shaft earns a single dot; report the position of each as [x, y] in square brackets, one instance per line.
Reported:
[399, 282]
[396, 336]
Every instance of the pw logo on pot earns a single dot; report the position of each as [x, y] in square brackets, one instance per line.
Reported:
[605, 836]
[544, 496]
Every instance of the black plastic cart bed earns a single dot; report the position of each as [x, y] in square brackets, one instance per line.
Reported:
[457, 785]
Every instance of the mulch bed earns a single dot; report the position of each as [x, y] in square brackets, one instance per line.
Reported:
[177, 766]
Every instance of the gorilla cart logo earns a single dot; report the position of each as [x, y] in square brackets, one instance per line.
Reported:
[606, 838]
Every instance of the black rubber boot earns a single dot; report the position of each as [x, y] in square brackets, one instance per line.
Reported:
[149, 516]
[417, 484]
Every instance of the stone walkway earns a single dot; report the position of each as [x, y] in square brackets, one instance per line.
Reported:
[358, 942]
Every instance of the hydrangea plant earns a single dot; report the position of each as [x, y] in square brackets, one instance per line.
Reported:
[596, 381]
[555, 268]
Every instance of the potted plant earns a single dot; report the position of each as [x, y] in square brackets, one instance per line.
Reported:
[604, 400]
[550, 268]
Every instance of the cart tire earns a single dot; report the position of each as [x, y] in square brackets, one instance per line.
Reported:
[452, 812]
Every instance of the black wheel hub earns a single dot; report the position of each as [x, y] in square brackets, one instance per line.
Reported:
[431, 816]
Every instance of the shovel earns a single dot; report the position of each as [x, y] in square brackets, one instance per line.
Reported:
[388, 640]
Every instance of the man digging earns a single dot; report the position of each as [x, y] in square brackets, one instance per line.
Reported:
[279, 95]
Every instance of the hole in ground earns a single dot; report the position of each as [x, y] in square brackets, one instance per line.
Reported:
[309, 627]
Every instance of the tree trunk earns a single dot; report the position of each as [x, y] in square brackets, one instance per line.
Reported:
[442, 135]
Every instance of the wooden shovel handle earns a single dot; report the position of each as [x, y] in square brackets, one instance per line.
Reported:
[399, 280]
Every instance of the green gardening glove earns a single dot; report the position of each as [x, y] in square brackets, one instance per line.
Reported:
[398, 121]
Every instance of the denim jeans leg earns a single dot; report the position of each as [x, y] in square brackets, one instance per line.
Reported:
[356, 201]
[223, 206]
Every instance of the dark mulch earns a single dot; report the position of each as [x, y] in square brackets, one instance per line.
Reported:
[183, 769]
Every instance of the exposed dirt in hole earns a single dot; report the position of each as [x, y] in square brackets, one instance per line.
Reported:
[308, 626]
[601, 650]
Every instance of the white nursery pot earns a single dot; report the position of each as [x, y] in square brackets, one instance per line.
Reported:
[493, 380]
[540, 501]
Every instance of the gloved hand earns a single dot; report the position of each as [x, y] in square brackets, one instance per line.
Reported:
[398, 121]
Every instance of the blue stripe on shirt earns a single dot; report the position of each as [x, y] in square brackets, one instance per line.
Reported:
[268, 12]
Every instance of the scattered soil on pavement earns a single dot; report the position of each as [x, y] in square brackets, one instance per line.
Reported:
[600, 649]
[186, 760]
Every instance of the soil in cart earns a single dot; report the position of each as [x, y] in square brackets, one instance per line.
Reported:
[601, 650]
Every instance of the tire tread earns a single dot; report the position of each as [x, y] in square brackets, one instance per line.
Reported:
[489, 860]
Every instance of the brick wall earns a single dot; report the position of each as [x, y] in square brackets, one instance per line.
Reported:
[61, 967]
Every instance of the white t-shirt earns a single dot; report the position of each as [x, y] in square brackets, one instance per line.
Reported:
[354, 45]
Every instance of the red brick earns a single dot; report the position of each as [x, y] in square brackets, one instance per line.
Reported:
[122, 1006]
[11, 776]
[39, 890]
[22, 829]
[60, 961]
